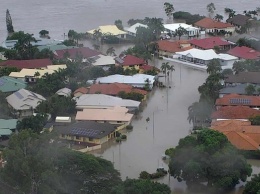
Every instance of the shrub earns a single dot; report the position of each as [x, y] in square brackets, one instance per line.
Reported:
[118, 139]
[144, 175]
[123, 137]
[129, 127]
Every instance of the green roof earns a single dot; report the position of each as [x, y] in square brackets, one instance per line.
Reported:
[52, 47]
[8, 123]
[5, 132]
[10, 84]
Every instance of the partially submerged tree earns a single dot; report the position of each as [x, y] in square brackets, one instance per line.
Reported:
[253, 186]
[119, 24]
[44, 33]
[180, 32]
[250, 90]
[9, 23]
[211, 8]
[208, 158]
[111, 51]
[169, 9]
[218, 17]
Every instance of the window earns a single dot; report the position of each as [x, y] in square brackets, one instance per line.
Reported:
[77, 137]
[90, 139]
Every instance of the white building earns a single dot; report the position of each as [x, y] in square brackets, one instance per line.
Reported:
[192, 31]
[133, 29]
[102, 101]
[137, 80]
[203, 57]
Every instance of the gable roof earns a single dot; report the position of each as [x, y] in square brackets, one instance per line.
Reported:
[30, 64]
[234, 112]
[236, 99]
[24, 99]
[113, 89]
[209, 43]
[8, 123]
[130, 60]
[9, 84]
[108, 29]
[85, 52]
[175, 26]
[244, 52]
[172, 46]
[103, 60]
[133, 28]
[88, 129]
[110, 114]
[244, 77]
[102, 100]
[64, 92]
[241, 141]
[237, 89]
[209, 23]
[206, 55]
[239, 20]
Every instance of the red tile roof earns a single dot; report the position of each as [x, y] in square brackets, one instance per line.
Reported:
[82, 90]
[113, 89]
[209, 43]
[236, 99]
[241, 140]
[234, 112]
[84, 51]
[244, 52]
[30, 64]
[209, 23]
[132, 60]
[172, 46]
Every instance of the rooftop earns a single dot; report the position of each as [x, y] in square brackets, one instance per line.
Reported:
[103, 60]
[175, 26]
[236, 99]
[64, 92]
[113, 89]
[134, 27]
[244, 52]
[82, 90]
[130, 60]
[244, 77]
[30, 64]
[209, 23]
[173, 46]
[234, 112]
[209, 43]
[111, 114]
[238, 19]
[9, 84]
[88, 129]
[237, 89]
[108, 29]
[84, 52]
[102, 100]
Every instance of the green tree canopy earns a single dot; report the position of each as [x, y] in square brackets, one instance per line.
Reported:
[180, 32]
[37, 165]
[35, 123]
[9, 23]
[140, 186]
[208, 158]
[250, 90]
[211, 8]
[119, 24]
[188, 17]
[5, 71]
[169, 9]
[253, 186]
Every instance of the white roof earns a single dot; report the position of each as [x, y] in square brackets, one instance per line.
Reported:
[133, 29]
[126, 79]
[103, 60]
[175, 26]
[24, 99]
[56, 67]
[108, 29]
[205, 55]
[64, 92]
[102, 100]
[110, 114]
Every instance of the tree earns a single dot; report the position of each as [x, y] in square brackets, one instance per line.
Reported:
[208, 158]
[218, 17]
[211, 8]
[131, 95]
[255, 120]
[253, 186]
[57, 106]
[69, 42]
[35, 123]
[119, 24]
[47, 167]
[111, 51]
[96, 47]
[164, 67]
[44, 33]
[5, 71]
[238, 66]
[188, 17]
[250, 90]
[169, 9]
[214, 67]
[180, 32]
[141, 186]
[226, 72]
[9, 23]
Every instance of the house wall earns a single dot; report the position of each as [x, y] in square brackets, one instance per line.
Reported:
[226, 64]
[166, 53]
[78, 94]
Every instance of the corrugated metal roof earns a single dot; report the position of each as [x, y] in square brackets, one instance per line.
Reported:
[9, 84]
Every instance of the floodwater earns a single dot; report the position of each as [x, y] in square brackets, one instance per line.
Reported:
[82, 15]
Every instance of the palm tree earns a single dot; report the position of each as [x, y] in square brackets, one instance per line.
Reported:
[165, 67]
[218, 17]
[171, 68]
[111, 51]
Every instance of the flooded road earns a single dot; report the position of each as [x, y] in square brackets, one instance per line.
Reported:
[143, 149]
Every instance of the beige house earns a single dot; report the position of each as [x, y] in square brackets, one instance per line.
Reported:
[23, 102]
[114, 115]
